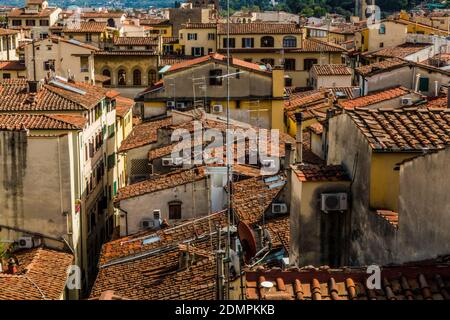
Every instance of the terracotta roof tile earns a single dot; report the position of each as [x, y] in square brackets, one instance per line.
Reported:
[279, 230]
[7, 32]
[259, 28]
[12, 65]
[390, 216]
[87, 27]
[102, 14]
[385, 65]
[123, 105]
[331, 70]
[20, 13]
[144, 134]
[41, 122]
[38, 267]
[315, 172]
[400, 51]
[316, 128]
[374, 98]
[126, 53]
[154, 22]
[404, 282]
[404, 129]
[136, 41]
[252, 197]
[199, 26]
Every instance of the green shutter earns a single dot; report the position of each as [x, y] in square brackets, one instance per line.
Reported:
[423, 84]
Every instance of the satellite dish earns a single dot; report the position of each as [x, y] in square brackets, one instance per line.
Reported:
[248, 241]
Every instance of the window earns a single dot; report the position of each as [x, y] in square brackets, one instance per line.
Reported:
[288, 82]
[192, 36]
[197, 51]
[289, 64]
[268, 61]
[17, 23]
[382, 29]
[174, 210]
[44, 23]
[107, 73]
[152, 77]
[7, 76]
[111, 161]
[43, 35]
[30, 22]
[232, 42]
[121, 76]
[84, 63]
[381, 44]
[213, 77]
[111, 23]
[423, 84]
[111, 131]
[248, 42]
[137, 77]
[88, 37]
[211, 36]
[289, 42]
[49, 65]
[308, 63]
[210, 50]
[267, 42]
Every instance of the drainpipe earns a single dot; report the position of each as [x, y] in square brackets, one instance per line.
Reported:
[299, 137]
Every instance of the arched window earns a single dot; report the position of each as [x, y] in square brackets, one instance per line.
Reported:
[382, 29]
[137, 77]
[107, 73]
[122, 77]
[152, 77]
[289, 42]
[111, 23]
[91, 20]
[267, 42]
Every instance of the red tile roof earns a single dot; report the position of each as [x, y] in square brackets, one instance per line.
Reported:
[216, 57]
[102, 14]
[406, 282]
[199, 26]
[123, 105]
[41, 275]
[390, 216]
[400, 51]
[20, 13]
[252, 197]
[127, 53]
[41, 122]
[259, 28]
[403, 129]
[144, 134]
[12, 65]
[14, 96]
[331, 70]
[385, 65]
[316, 128]
[7, 32]
[136, 41]
[320, 172]
[374, 98]
[87, 27]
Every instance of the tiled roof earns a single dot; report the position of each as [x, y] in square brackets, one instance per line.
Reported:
[390, 216]
[20, 13]
[126, 53]
[385, 65]
[400, 51]
[171, 60]
[147, 266]
[316, 128]
[403, 129]
[199, 26]
[331, 70]
[154, 22]
[166, 181]
[101, 78]
[41, 122]
[14, 96]
[252, 197]
[12, 65]
[41, 274]
[314, 172]
[123, 105]
[144, 134]
[407, 282]
[373, 98]
[87, 27]
[314, 45]
[259, 28]
[217, 58]
[279, 230]
[102, 14]
[136, 41]
[7, 32]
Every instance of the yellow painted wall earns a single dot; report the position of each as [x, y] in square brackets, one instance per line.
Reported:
[202, 40]
[384, 180]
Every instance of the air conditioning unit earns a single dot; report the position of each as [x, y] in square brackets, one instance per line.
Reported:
[279, 208]
[334, 202]
[170, 104]
[29, 242]
[217, 108]
[406, 102]
[181, 105]
[147, 224]
[172, 162]
[268, 163]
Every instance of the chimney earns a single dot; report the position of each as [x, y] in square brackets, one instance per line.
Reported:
[12, 266]
[288, 155]
[33, 86]
[278, 82]
[299, 137]
[217, 182]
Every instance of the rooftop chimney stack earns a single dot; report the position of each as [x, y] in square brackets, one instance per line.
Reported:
[299, 137]
[33, 86]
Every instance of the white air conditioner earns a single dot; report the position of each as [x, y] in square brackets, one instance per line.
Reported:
[268, 163]
[29, 242]
[334, 202]
[181, 105]
[406, 102]
[279, 208]
[217, 108]
[147, 223]
[172, 162]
